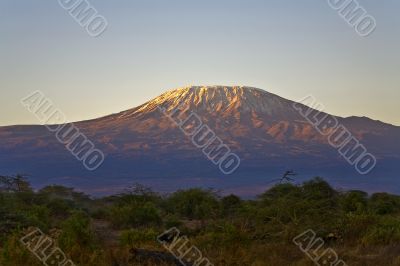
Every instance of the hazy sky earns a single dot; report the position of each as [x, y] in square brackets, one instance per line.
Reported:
[288, 47]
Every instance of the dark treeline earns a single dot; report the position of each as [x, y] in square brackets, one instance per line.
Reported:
[363, 229]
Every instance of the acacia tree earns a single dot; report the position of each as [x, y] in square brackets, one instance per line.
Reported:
[17, 183]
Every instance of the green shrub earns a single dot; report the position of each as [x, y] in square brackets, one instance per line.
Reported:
[136, 237]
[194, 204]
[386, 231]
[76, 231]
[133, 215]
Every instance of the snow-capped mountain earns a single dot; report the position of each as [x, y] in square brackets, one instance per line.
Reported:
[222, 100]
[143, 144]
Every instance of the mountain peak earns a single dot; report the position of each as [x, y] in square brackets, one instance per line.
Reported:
[237, 89]
[221, 100]
[216, 91]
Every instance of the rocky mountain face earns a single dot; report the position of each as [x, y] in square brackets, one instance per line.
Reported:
[144, 145]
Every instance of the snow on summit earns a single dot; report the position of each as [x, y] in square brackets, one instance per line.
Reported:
[223, 99]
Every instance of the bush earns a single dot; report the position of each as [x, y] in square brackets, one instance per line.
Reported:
[76, 232]
[194, 204]
[136, 238]
[133, 215]
[383, 203]
[385, 232]
[354, 201]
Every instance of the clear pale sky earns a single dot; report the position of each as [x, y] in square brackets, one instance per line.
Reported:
[288, 47]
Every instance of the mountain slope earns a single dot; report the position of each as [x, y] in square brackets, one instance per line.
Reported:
[142, 144]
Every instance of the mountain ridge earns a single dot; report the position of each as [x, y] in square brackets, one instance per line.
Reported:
[264, 129]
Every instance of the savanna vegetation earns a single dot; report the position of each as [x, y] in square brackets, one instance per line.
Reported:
[122, 229]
